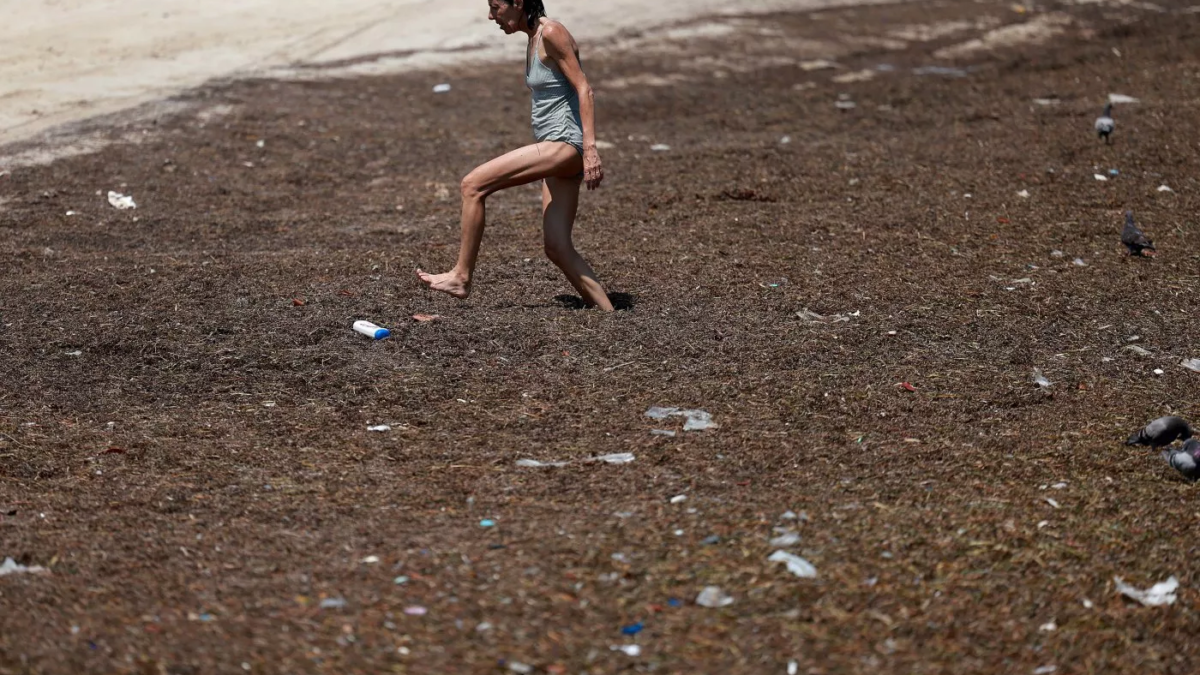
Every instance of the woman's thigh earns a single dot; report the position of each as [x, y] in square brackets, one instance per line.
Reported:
[525, 165]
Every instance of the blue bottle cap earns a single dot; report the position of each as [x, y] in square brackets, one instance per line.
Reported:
[382, 333]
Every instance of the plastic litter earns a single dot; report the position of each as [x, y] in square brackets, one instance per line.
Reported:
[426, 318]
[1192, 365]
[1122, 98]
[697, 420]
[1100, 176]
[633, 628]
[617, 458]
[1114, 172]
[818, 64]
[1046, 101]
[793, 668]
[662, 432]
[380, 428]
[795, 564]
[1138, 350]
[400, 581]
[487, 522]
[713, 597]
[678, 499]
[1164, 188]
[520, 668]
[534, 464]
[1040, 380]
[121, 202]
[1158, 371]
[1162, 593]
[810, 316]
[441, 88]
[370, 560]
[1048, 627]
[1023, 193]
[660, 147]
[371, 330]
[333, 603]
[940, 70]
[11, 566]
[786, 538]
[629, 650]
[710, 540]
[1080, 262]
[416, 610]
[1044, 670]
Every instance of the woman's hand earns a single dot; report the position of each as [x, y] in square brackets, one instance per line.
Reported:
[593, 170]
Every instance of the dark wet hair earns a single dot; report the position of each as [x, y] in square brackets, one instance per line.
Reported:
[534, 10]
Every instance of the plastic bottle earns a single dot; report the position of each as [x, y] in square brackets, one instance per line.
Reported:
[371, 330]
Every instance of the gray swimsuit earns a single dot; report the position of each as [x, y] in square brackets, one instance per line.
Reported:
[555, 101]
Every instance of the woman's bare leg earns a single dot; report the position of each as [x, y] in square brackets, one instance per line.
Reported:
[560, 201]
[519, 167]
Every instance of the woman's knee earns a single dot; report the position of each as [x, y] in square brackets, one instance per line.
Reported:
[559, 250]
[474, 186]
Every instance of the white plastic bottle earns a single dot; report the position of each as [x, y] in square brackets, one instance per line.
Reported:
[371, 330]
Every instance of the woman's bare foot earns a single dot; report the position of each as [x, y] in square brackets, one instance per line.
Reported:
[450, 283]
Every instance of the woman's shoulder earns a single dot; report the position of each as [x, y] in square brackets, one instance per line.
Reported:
[556, 34]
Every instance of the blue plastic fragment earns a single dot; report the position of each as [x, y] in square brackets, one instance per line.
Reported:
[675, 602]
[487, 522]
[633, 628]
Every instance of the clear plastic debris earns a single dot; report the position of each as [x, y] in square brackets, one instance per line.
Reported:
[1162, 593]
[713, 597]
[697, 420]
[628, 650]
[120, 201]
[441, 88]
[380, 428]
[1040, 380]
[1192, 365]
[534, 464]
[11, 566]
[795, 564]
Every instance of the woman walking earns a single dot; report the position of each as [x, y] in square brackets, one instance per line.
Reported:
[563, 156]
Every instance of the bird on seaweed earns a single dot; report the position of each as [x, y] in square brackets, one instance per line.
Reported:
[1162, 432]
[1105, 123]
[1185, 460]
[1134, 239]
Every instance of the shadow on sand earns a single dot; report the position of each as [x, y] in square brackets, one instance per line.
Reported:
[622, 302]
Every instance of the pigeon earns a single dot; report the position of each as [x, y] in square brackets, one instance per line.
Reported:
[1134, 239]
[1105, 123]
[1162, 432]
[1186, 461]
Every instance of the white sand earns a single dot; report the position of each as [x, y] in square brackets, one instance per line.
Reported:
[68, 60]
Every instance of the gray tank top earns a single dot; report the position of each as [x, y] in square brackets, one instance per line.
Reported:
[555, 101]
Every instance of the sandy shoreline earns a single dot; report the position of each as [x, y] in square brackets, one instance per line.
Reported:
[70, 60]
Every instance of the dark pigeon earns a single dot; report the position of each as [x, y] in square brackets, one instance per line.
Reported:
[1134, 239]
[1186, 461]
[1162, 432]
[1105, 123]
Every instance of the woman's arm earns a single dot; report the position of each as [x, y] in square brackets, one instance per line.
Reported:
[561, 47]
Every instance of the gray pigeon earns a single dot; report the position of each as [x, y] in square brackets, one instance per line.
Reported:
[1162, 432]
[1134, 239]
[1105, 123]
[1186, 461]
